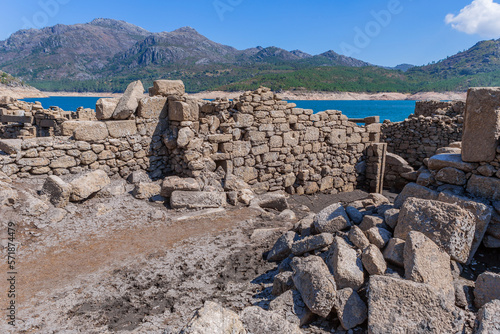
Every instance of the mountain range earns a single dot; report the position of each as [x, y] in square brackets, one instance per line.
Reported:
[106, 54]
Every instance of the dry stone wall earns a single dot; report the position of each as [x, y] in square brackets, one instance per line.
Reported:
[433, 125]
[268, 142]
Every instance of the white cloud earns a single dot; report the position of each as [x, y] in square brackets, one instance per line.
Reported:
[481, 17]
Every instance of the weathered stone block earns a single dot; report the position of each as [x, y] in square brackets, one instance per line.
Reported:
[486, 187]
[90, 131]
[120, 129]
[129, 102]
[168, 87]
[57, 190]
[183, 111]
[104, 108]
[448, 225]
[351, 310]
[88, 184]
[153, 107]
[346, 266]
[197, 199]
[402, 306]
[441, 161]
[315, 284]
[481, 125]
[487, 288]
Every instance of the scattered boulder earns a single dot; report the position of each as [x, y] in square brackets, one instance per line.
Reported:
[370, 221]
[138, 176]
[291, 307]
[424, 262]
[485, 187]
[354, 214]
[448, 225]
[487, 288]
[258, 320]
[414, 190]
[85, 186]
[346, 266]
[373, 260]
[378, 236]
[351, 310]
[197, 199]
[481, 212]
[402, 306]
[57, 190]
[358, 238]
[146, 190]
[283, 247]
[331, 219]
[451, 175]
[282, 283]
[441, 161]
[115, 188]
[311, 243]
[394, 252]
[212, 318]
[129, 102]
[391, 218]
[488, 321]
[315, 284]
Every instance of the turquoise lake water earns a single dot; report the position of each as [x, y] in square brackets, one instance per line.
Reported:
[393, 110]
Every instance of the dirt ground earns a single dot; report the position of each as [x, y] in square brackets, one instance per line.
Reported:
[121, 265]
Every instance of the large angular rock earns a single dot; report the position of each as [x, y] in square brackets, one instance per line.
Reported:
[258, 320]
[120, 129]
[311, 243]
[197, 199]
[481, 125]
[394, 252]
[283, 247]
[451, 175]
[129, 102]
[346, 266]
[291, 307]
[351, 310]
[487, 288]
[391, 217]
[481, 212]
[315, 284]
[378, 236]
[402, 306]
[173, 183]
[282, 283]
[373, 260]
[449, 226]
[90, 131]
[331, 219]
[488, 319]
[441, 161]
[57, 190]
[358, 238]
[13, 146]
[486, 187]
[212, 318]
[414, 190]
[104, 108]
[88, 184]
[168, 87]
[425, 263]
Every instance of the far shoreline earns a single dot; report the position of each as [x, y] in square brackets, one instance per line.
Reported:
[286, 95]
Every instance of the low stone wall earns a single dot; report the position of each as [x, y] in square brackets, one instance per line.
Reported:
[269, 143]
[434, 125]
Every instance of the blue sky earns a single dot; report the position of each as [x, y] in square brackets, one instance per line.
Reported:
[383, 32]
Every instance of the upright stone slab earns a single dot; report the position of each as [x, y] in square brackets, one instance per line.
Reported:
[129, 101]
[481, 125]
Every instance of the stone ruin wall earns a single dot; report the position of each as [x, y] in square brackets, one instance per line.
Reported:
[267, 142]
[434, 125]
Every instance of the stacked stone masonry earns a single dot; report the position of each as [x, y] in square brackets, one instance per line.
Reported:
[268, 142]
[433, 125]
